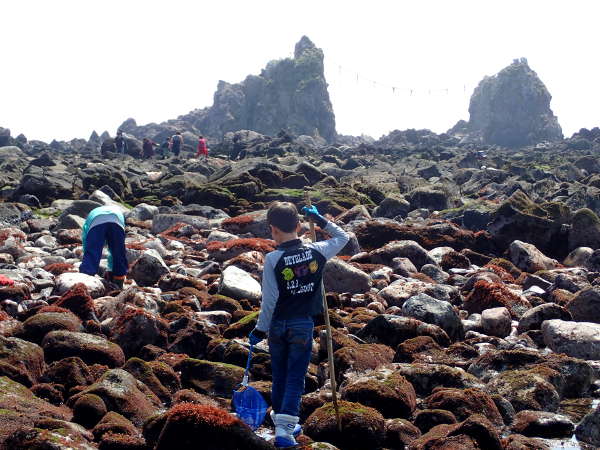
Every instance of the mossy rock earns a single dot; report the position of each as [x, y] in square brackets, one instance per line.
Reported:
[90, 348]
[23, 359]
[284, 195]
[38, 325]
[527, 389]
[212, 378]
[189, 426]
[388, 392]
[211, 195]
[362, 426]
[143, 371]
[242, 327]
[88, 410]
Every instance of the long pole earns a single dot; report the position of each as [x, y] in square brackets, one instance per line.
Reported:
[313, 237]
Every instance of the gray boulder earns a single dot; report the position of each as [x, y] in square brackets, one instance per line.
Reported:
[142, 212]
[586, 305]
[148, 269]
[392, 207]
[589, 428]
[162, 222]
[533, 318]
[339, 276]
[237, 284]
[576, 339]
[528, 258]
[436, 312]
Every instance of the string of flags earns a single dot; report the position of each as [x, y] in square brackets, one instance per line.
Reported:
[463, 89]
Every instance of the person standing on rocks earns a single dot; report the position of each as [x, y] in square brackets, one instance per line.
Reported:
[148, 148]
[105, 224]
[202, 148]
[176, 143]
[120, 143]
[165, 148]
[291, 296]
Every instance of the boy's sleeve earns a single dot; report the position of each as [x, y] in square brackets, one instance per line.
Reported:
[270, 294]
[331, 247]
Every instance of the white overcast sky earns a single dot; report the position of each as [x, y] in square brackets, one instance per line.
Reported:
[72, 66]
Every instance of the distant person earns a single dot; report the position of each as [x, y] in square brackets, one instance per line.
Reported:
[165, 148]
[202, 148]
[148, 148]
[120, 143]
[176, 143]
[105, 224]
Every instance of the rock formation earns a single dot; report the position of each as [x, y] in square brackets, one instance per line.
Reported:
[289, 94]
[511, 109]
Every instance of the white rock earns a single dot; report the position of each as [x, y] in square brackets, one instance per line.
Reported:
[496, 322]
[237, 283]
[576, 339]
[528, 258]
[67, 280]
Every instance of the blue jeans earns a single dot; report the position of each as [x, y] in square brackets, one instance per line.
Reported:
[114, 236]
[290, 344]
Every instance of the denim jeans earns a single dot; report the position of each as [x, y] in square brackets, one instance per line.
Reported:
[114, 236]
[290, 344]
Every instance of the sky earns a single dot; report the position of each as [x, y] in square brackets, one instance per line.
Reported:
[73, 66]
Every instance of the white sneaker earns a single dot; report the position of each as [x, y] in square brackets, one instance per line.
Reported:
[297, 429]
[284, 430]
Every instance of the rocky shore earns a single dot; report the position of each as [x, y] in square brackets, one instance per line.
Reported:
[466, 306]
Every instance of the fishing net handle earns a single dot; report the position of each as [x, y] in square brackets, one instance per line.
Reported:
[248, 363]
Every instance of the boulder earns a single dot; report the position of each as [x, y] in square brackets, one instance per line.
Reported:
[162, 222]
[401, 249]
[464, 403]
[589, 428]
[22, 410]
[136, 327]
[542, 424]
[148, 268]
[528, 258]
[339, 276]
[392, 330]
[392, 207]
[426, 377]
[585, 306]
[496, 322]
[436, 312]
[90, 348]
[212, 378]
[68, 280]
[585, 229]
[578, 257]
[237, 284]
[527, 389]
[389, 393]
[38, 325]
[142, 212]
[533, 318]
[400, 433]
[577, 339]
[362, 427]
[182, 426]
[122, 393]
[21, 360]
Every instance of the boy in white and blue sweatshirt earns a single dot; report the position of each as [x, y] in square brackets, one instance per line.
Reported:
[291, 296]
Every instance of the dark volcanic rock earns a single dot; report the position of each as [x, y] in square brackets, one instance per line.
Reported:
[512, 108]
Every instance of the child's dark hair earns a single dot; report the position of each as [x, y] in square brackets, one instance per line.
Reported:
[284, 216]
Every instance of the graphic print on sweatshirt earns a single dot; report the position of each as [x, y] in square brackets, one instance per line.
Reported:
[298, 271]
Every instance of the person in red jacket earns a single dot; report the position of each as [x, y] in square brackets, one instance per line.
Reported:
[202, 148]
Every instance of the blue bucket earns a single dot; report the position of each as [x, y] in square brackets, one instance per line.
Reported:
[249, 405]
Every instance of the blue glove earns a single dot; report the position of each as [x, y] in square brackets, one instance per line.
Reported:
[313, 213]
[256, 336]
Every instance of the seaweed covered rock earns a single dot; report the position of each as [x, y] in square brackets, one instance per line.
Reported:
[542, 424]
[464, 403]
[20, 360]
[474, 433]
[362, 427]
[183, 425]
[38, 325]
[486, 295]
[69, 372]
[585, 306]
[213, 378]
[392, 330]
[136, 327]
[527, 389]
[78, 300]
[20, 408]
[122, 393]
[90, 348]
[388, 392]
[426, 377]
[88, 410]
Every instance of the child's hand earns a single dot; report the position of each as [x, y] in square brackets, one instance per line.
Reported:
[256, 336]
[313, 213]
